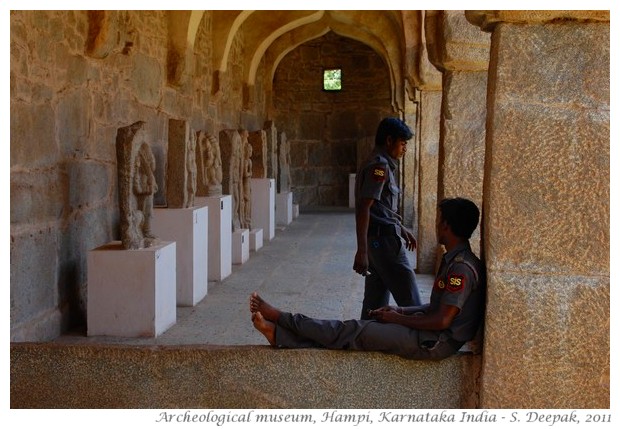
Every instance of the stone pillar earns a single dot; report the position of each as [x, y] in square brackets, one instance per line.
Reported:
[409, 168]
[461, 51]
[547, 210]
[428, 141]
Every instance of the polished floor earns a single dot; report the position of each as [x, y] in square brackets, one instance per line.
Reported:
[305, 268]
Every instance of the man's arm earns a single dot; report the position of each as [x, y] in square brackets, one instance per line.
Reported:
[362, 220]
[435, 320]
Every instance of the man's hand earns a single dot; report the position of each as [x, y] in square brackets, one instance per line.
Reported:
[360, 264]
[387, 314]
[410, 242]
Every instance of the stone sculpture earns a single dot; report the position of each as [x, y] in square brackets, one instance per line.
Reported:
[230, 144]
[284, 164]
[181, 169]
[258, 141]
[246, 215]
[209, 161]
[136, 180]
[272, 149]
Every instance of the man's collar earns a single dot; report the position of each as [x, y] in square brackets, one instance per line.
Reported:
[383, 151]
[457, 249]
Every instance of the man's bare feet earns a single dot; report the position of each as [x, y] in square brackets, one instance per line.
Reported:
[265, 327]
[257, 304]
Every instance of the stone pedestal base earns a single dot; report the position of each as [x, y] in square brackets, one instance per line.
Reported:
[220, 235]
[256, 239]
[240, 246]
[264, 206]
[284, 208]
[188, 228]
[131, 293]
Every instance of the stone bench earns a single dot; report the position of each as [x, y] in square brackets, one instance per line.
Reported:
[50, 375]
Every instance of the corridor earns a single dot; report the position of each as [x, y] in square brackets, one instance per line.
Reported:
[305, 268]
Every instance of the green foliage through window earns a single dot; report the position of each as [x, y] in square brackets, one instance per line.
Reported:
[332, 79]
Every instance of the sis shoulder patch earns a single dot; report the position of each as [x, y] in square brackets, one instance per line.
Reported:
[379, 173]
[456, 282]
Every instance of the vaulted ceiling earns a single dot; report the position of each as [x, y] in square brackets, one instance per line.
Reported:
[397, 36]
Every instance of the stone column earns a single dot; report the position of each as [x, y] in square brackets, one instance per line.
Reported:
[428, 142]
[461, 51]
[547, 210]
[409, 170]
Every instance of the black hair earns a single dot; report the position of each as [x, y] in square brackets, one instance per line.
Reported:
[392, 127]
[461, 215]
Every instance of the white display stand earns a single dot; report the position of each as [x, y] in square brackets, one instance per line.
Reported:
[131, 293]
[220, 235]
[240, 246]
[295, 211]
[352, 191]
[256, 239]
[284, 208]
[264, 206]
[188, 228]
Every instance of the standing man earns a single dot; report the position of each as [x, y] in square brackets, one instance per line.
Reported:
[381, 237]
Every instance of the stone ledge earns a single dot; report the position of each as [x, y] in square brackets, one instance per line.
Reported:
[48, 375]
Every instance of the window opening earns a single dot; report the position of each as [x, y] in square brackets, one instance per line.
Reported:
[332, 79]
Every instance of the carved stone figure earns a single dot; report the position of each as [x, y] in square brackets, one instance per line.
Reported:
[272, 149]
[181, 169]
[258, 140]
[284, 164]
[209, 161]
[136, 180]
[230, 144]
[246, 219]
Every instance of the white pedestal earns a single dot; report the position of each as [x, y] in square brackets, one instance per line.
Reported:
[131, 293]
[352, 191]
[256, 239]
[240, 246]
[264, 206]
[284, 208]
[220, 235]
[295, 211]
[188, 228]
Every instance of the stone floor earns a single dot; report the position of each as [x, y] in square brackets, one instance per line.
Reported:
[305, 268]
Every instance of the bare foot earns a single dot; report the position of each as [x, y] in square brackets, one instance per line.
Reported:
[265, 327]
[257, 304]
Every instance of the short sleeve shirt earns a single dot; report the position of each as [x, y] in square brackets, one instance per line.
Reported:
[460, 283]
[376, 180]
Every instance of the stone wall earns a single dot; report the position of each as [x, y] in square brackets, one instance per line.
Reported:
[323, 127]
[76, 77]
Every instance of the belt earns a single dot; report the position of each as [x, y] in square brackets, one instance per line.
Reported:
[377, 230]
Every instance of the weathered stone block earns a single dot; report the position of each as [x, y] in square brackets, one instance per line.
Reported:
[34, 265]
[547, 200]
[33, 135]
[37, 198]
[73, 117]
[146, 75]
[544, 68]
[558, 330]
[90, 183]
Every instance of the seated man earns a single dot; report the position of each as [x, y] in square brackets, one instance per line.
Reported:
[431, 331]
